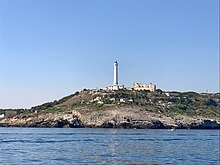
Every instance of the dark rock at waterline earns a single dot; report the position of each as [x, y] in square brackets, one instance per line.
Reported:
[209, 124]
[155, 124]
[107, 125]
[76, 123]
[205, 124]
[60, 123]
[125, 125]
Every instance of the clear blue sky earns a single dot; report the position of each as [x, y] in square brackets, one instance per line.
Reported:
[52, 48]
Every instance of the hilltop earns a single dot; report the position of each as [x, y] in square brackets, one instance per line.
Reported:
[124, 109]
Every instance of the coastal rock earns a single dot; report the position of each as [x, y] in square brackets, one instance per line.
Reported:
[76, 123]
[209, 124]
[111, 118]
[60, 123]
[125, 124]
[124, 109]
[157, 124]
[107, 125]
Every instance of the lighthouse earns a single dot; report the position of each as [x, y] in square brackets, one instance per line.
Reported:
[115, 85]
[115, 73]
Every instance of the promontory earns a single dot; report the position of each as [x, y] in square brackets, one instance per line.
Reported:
[122, 109]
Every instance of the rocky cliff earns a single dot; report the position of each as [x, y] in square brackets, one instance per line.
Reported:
[124, 109]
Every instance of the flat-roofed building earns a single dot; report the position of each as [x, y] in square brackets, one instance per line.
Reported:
[141, 86]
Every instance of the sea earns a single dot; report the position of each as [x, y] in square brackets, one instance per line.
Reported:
[108, 146]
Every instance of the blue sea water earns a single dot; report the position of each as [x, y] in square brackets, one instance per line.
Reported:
[108, 146]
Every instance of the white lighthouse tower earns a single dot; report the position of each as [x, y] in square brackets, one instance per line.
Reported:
[115, 85]
[115, 73]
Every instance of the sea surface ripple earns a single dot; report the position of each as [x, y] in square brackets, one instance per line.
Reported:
[108, 146]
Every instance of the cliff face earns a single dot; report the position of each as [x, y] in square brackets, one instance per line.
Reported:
[124, 109]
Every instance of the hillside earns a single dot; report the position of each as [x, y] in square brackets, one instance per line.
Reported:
[124, 109]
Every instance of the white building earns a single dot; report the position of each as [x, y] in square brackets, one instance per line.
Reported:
[115, 85]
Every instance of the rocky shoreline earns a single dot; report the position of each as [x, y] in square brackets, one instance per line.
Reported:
[123, 109]
[76, 120]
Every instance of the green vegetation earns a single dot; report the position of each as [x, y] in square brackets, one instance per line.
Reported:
[49, 105]
[185, 103]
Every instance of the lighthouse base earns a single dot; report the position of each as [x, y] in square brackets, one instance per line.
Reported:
[114, 87]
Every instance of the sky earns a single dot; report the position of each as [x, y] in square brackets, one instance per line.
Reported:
[52, 48]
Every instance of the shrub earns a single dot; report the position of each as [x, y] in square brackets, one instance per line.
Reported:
[211, 102]
[159, 91]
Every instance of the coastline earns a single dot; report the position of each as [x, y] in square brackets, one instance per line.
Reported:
[123, 109]
[71, 120]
